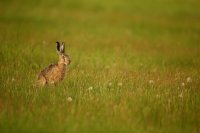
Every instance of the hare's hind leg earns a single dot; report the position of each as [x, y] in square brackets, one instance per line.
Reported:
[41, 81]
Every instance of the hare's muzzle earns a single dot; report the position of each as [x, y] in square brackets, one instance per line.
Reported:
[67, 62]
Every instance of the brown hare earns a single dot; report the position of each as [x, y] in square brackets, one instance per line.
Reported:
[55, 72]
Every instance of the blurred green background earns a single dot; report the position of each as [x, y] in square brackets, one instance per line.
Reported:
[141, 59]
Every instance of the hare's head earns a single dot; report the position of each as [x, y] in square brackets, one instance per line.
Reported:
[63, 58]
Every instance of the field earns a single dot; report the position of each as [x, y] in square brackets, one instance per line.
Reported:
[135, 66]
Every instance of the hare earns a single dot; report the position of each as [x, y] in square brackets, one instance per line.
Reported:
[55, 72]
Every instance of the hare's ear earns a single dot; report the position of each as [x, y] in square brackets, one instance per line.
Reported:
[62, 48]
[58, 46]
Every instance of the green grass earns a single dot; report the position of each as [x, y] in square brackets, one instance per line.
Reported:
[110, 42]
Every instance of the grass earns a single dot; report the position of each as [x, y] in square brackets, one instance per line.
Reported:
[136, 56]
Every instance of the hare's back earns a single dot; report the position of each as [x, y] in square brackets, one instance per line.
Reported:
[50, 70]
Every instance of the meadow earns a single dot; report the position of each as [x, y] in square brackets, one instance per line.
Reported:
[135, 66]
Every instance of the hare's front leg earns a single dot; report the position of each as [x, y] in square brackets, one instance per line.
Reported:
[53, 83]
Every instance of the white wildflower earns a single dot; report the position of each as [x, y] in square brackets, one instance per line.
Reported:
[82, 72]
[69, 99]
[120, 84]
[181, 95]
[90, 88]
[109, 84]
[183, 84]
[151, 81]
[189, 80]
[13, 79]
[157, 96]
